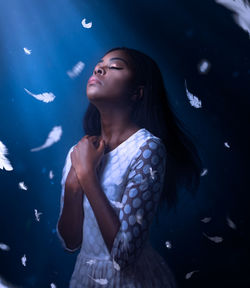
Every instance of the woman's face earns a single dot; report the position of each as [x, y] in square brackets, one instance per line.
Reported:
[115, 73]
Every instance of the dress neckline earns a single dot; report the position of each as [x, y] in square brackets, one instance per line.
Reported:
[124, 142]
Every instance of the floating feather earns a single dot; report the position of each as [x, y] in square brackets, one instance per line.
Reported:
[53, 137]
[117, 204]
[91, 262]
[101, 281]
[227, 145]
[194, 101]
[4, 247]
[6, 284]
[204, 172]
[168, 244]
[231, 224]
[37, 215]
[45, 97]
[24, 260]
[4, 162]
[242, 12]
[204, 66]
[76, 70]
[152, 173]
[189, 275]
[27, 51]
[116, 265]
[86, 25]
[139, 217]
[51, 175]
[21, 185]
[52, 285]
[215, 239]
[206, 219]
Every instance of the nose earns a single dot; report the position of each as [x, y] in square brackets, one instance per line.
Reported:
[98, 70]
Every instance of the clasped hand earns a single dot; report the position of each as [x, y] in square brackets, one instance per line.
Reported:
[86, 156]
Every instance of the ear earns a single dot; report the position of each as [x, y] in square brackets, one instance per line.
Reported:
[138, 93]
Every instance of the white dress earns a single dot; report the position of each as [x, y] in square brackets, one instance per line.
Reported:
[131, 176]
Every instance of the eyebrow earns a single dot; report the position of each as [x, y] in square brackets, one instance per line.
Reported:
[115, 58]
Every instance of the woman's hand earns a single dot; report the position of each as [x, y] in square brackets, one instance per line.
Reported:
[86, 156]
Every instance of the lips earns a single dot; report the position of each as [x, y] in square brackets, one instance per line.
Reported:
[93, 80]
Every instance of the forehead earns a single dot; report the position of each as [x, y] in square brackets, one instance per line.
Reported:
[119, 56]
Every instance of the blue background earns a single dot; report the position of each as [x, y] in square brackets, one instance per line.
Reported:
[177, 35]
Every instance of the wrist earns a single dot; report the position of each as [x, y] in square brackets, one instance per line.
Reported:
[88, 179]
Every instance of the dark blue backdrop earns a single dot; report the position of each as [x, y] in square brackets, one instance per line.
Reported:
[177, 35]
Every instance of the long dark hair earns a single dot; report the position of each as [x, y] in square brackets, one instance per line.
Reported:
[155, 113]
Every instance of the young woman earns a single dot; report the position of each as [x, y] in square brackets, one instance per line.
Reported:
[134, 155]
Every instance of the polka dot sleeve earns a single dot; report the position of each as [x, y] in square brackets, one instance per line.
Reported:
[139, 201]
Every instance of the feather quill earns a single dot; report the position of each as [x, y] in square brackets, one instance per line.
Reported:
[53, 137]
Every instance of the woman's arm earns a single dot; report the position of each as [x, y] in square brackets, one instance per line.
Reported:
[70, 223]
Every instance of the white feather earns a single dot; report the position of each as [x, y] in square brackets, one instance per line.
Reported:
[76, 70]
[204, 172]
[45, 97]
[51, 175]
[24, 259]
[6, 284]
[241, 11]
[91, 262]
[27, 51]
[168, 244]
[139, 217]
[86, 25]
[117, 204]
[194, 101]
[53, 137]
[188, 275]
[4, 162]
[215, 239]
[22, 186]
[227, 145]
[4, 247]
[152, 173]
[101, 281]
[204, 66]
[231, 224]
[206, 219]
[52, 285]
[37, 215]
[116, 265]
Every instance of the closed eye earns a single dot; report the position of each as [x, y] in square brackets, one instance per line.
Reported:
[112, 67]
